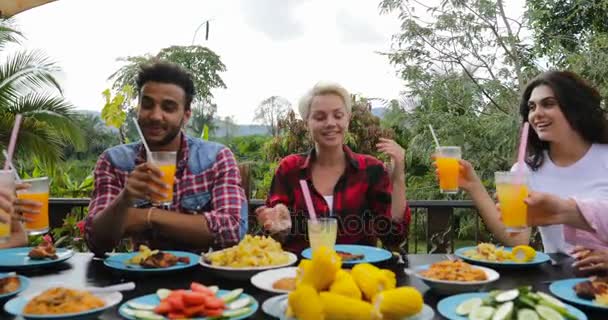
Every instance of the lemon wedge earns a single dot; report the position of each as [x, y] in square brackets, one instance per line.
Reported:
[523, 254]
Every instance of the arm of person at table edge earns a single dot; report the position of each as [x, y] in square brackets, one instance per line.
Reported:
[470, 182]
[390, 203]
[111, 207]
[278, 202]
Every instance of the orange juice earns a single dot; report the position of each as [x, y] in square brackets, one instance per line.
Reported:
[39, 222]
[168, 171]
[448, 174]
[514, 209]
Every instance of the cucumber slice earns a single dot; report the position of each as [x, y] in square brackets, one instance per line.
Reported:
[527, 314]
[503, 312]
[163, 293]
[239, 304]
[551, 301]
[546, 313]
[214, 289]
[481, 313]
[141, 306]
[527, 301]
[507, 295]
[467, 306]
[228, 297]
[129, 312]
[147, 315]
[236, 313]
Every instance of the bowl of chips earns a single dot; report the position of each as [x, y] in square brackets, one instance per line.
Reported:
[455, 276]
[252, 255]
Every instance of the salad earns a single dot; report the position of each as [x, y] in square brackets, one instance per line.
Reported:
[515, 304]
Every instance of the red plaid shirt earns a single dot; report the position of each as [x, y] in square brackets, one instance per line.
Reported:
[222, 180]
[361, 201]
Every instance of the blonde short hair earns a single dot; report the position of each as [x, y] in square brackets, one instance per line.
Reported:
[323, 88]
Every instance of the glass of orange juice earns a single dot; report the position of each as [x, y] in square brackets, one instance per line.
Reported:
[165, 161]
[512, 189]
[447, 163]
[322, 232]
[38, 192]
[7, 181]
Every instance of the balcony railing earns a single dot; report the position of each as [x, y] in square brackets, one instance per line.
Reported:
[434, 226]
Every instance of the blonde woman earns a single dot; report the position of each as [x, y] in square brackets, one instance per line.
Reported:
[355, 188]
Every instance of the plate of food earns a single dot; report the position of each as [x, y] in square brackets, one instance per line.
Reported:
[521, 304]
[353, 254]
[147, 260]
[196, 302]
[282, 280]
[45, 254]
[252, 255]
[62, 303]
[496, 256]
[277, 307]
[454, 276]
[12, 284]
[591, 292]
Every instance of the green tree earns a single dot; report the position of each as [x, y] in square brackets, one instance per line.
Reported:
[573, 35]
[270, 111]
[203, 115]
[115, 109]
[28, 86]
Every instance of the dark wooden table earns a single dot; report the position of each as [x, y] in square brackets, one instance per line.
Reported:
[83, 270]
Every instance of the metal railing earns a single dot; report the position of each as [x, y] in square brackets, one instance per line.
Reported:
[434, 226]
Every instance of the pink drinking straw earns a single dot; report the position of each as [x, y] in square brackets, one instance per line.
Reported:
[523, 142]
[13, 142]
[308, 200]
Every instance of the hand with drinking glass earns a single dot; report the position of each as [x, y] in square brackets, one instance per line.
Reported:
[145, 182]
[25, 206]
[6, 204]
[467, 177]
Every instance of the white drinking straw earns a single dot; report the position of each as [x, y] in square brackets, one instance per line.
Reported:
[434, 136]
[143, 140]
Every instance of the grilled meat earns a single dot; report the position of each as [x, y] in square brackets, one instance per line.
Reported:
[9, 284]
[43, 251]
[163, 260]
[585, 290]
[349, 256]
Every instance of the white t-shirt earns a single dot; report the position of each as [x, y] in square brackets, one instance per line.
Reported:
[588, 178]
[330, 204]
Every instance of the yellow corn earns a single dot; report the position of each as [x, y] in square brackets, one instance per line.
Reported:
[345, 285]
[321, 272]
[339, 307]
[398, 303]
[305, 304]
[372, 280]
[523, 254]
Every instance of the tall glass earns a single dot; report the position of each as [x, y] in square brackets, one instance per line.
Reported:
[38, 192]
[512, 189]
[7, 181]
[322, 232]
[165, 161]
[449, 168]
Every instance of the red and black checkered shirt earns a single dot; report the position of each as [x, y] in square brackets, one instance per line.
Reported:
[222, 180]
[361, 201]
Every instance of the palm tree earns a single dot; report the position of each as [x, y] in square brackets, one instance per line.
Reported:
[28, 86]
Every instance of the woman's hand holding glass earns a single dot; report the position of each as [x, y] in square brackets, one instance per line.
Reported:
[274, 220]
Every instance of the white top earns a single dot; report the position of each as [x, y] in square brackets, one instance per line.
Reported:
[330, 204]
[588, 178]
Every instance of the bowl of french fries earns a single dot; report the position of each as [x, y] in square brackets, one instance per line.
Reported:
[455, 276]
[252, 255]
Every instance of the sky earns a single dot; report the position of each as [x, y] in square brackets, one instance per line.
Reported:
[269, 47]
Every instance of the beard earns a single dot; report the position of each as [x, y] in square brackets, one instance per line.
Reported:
[172, 132]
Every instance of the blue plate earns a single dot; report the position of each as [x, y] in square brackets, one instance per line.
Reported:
[16, 305]
[152, 299]
[371, 254]
[540, 258]
[17, 258]
[119, 261]
[564, 289]
[447, 306]
[24, 283]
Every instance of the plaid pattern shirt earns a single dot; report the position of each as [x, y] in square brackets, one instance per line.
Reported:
[222, 181]
[361, 201]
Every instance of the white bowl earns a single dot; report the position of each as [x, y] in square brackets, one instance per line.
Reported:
[452, 287]
[245, 273]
